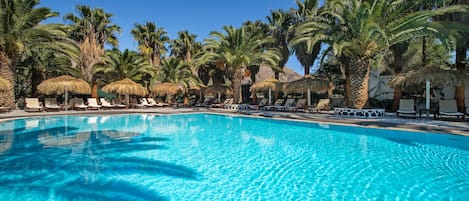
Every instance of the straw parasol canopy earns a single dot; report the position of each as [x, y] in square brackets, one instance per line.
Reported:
[265, 85]
[416, 79]
[167, 88]
[125, 87]
[4, 84]
[64, 84]
[218, 89]
[314, 84]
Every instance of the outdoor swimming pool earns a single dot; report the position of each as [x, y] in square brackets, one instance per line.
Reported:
[218, 157]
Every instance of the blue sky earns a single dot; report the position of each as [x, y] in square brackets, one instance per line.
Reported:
[197, 16]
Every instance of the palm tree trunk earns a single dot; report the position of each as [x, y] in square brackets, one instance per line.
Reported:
[359, 75]
[155, 60]
[461, 54]
[236, 85]
[7, 71]
[398, 52]
[424, 51]
[345, 65]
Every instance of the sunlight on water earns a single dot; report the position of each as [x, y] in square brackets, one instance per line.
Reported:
[216, 157]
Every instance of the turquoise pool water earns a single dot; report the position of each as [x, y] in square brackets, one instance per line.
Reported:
[216, 157]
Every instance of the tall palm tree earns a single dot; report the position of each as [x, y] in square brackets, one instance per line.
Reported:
[184, 46]
[306, 51]
[151, 41]
[129, 64]
[92, 29]
[21, 30]
[279, 23]
[236, 49]
[462, 45]
[360, 31]
[259, 27]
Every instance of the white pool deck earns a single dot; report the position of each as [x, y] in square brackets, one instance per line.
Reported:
[390, 121]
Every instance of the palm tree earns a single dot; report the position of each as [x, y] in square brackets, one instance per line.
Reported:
[236, 49]
[462, 45]
[151, 41]
[259, 27]
[279, 24]
[92, 29]
[38, 64]
[184, 46]
[21, 30]
[176, 70]
[306, 51]
[129, 64]
[360, 30]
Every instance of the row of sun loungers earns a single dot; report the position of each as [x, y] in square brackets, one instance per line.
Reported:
[300, 105]
[406, 106]
[445, 108]
[50, 104]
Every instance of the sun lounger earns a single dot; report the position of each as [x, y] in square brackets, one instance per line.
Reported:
[406, 107]
[51, 104]
[300, 104]
[4, 109]
[32, 105]
[323, 104]
[93, 104]
[78, 104]
[118, 104]
[105, 103]
[258, 106]
[152, 101]
[278, 102]
[145, 103]
[449, 108]
[287, 104]
[135, 104]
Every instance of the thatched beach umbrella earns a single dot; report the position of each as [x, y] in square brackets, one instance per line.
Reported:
[436, 76]
[221, 89]
[268, 84]
[125, 87]
[63, 85]
[307, 84]
[416, 79]
[218, 89]
[4, 84]
[167, 88]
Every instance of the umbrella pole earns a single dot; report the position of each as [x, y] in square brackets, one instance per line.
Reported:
[270, 96]
[66, 100]
[427, 97]
[309, 96]
[200, 96]
[127, 102]
[219, 97]
[240, 94]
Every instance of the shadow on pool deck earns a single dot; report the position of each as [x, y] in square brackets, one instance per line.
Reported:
[89, 170]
